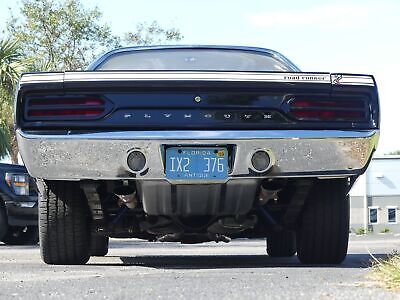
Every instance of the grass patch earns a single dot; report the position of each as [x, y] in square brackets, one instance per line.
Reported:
[360, 231]
[387, 271]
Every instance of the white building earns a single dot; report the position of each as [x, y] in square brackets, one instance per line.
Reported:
[375, 197]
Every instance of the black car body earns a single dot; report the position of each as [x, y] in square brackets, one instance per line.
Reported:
[18, 206]
[196, 143]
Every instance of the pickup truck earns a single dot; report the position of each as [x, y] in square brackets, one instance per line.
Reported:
[18, 206]
[195, 144]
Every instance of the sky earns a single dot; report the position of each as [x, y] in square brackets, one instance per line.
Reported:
[323, 36]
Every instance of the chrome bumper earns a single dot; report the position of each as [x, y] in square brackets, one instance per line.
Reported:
[307, 153]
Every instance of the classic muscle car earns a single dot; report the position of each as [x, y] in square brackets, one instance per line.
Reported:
[194, 144]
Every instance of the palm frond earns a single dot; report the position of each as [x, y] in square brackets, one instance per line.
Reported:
[11, 64]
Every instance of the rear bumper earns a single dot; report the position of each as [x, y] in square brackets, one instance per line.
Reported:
[103, 155]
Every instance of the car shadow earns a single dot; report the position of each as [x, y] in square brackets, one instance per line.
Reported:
[5, 246]
[193, 262]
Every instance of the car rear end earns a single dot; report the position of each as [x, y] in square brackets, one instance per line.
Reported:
[195, 155]
[299, 123]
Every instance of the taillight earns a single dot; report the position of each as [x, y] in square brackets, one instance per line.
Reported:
[88, 101]
[354, 110]
[65, 112]
[65, 108]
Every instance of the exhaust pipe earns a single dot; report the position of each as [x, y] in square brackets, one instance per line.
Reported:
[269, 189]
[127, 196]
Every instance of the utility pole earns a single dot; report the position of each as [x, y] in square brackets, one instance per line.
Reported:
[365, 198]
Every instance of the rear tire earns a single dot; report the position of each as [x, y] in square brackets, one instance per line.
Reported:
[99, 245]
[281, 244]
[323, 233]
[63, 223]
[20, 235]
[3, 220]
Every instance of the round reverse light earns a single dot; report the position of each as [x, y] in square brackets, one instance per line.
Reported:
[136, 161]
[260, 161]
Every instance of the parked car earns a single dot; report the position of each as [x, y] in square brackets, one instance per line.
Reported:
[194, 144]
[18, 206]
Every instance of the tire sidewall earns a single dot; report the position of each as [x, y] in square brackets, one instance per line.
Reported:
[322, 237]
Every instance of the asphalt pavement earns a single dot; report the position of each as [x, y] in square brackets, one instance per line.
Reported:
[134, 269]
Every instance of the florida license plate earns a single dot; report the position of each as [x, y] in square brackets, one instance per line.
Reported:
[184, 163]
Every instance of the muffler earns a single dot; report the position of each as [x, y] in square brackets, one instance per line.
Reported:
[269, 189]
[126, 195]
[193, 238]
[231, 225]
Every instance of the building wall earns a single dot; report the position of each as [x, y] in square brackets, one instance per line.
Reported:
[356, 213]
[381, 185]
[383, 177]
[382, 204]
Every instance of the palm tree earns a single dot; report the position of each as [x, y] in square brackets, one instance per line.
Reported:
[4, 140]
[12, 64]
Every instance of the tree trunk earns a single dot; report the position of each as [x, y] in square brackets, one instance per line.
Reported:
[13, 147]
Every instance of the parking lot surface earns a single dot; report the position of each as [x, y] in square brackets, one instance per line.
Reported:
[134, 269]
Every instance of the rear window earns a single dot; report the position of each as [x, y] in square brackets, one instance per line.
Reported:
[193, 60]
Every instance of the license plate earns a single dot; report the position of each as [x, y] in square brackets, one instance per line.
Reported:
[196, 163]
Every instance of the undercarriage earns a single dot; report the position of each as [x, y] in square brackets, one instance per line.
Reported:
[161, 211]
[309, 216]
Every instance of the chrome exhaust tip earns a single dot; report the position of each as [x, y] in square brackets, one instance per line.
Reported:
[261, 161]
[137, 161]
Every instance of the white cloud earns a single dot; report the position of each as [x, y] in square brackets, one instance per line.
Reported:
[332, 15]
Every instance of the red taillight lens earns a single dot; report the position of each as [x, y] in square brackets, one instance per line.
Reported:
[65, 112]
[327, 115]
[65, 108]
[51, 102]
[332, 104]
[320, 110]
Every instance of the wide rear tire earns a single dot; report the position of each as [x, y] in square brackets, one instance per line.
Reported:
[281, 244]
[63, 223]
[323, 233]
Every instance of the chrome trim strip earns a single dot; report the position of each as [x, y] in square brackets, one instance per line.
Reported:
[198, 76]
[311, 153]
[204, 135]
[41, 78]
[176, 76]
[95, 76]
